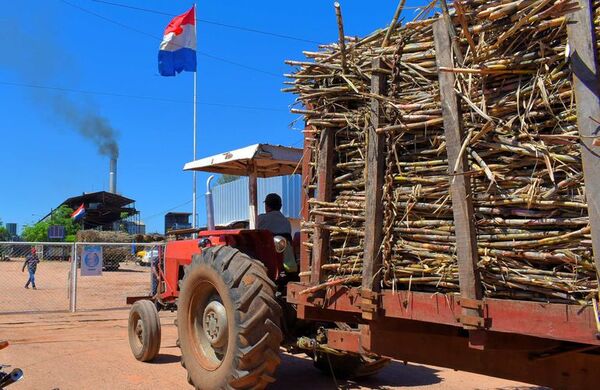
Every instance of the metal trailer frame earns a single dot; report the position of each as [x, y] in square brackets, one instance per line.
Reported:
[543, 343]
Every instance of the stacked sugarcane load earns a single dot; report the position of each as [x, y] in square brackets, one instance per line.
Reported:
[513, 83]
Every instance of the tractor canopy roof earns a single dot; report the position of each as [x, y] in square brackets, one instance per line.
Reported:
[262, 159]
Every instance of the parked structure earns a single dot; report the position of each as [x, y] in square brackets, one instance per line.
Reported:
[176, 221]
[103, 210]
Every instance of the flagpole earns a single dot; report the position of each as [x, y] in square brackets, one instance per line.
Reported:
[194, 203]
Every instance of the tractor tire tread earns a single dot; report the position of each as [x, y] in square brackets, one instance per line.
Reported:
[258, 333]
[249, 297]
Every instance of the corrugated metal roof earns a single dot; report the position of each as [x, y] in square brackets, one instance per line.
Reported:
[267, 160]
[231, 199]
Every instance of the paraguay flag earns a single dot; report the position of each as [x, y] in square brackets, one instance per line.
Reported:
[80, 212]
[178, 47]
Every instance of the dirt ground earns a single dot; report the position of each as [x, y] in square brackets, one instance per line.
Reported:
[89, 350]
[52, 280]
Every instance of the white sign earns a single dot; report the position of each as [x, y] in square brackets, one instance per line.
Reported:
[91, 260]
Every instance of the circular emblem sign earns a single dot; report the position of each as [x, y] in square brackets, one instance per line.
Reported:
[92, 260]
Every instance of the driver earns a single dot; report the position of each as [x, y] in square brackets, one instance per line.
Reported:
[273, 220]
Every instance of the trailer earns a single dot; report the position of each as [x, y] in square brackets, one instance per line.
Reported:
[549, 344]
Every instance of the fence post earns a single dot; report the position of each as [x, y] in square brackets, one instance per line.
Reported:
[73, 286]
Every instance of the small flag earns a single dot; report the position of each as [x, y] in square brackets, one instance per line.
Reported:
[178, 47]
[80, 212]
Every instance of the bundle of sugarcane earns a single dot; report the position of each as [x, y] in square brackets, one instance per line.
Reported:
[340, 100]
[513, 82]
[532, 189]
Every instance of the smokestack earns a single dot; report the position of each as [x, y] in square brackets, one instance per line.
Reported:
[112, 187]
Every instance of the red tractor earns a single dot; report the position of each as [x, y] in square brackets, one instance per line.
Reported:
[229, 290]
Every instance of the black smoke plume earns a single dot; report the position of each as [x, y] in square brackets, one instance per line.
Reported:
[40, 60]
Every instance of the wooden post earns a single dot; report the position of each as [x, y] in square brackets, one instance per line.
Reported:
[375, 172]
[307, 193]
[584, 64]
[325, 167]
[342, 37]
[451, 31]
[252, 192]
[460, 184]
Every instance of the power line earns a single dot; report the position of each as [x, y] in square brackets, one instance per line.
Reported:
[165, 211]
[232, 26]
[122, 95]
[156, 37]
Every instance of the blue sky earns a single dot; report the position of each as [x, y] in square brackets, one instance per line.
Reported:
[51, 43]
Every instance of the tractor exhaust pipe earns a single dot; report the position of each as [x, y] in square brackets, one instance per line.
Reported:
[210, 209]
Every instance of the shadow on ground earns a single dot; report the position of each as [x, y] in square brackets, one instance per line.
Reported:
[395, 374]
[165, 358]
[121, 270]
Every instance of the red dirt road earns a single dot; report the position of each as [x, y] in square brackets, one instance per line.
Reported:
[89, 350]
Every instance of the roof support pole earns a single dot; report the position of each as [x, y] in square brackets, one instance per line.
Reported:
[253, 195]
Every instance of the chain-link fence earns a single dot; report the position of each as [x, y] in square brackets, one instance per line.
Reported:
[37, 286]
[104, 275]
[125, 272]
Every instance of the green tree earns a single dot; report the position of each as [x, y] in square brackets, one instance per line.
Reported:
[37, 232]
[226, 179]
[60, 216]
[4, 236]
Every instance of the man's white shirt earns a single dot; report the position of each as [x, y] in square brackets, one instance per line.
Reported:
[274, 221]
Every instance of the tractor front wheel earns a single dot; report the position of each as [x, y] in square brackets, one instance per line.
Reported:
[228, 321]
[144, 330]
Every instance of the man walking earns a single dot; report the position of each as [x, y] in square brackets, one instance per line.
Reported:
[31, 262]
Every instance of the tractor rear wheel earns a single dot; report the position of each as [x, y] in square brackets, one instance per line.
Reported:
[228, 321]
[144, 330]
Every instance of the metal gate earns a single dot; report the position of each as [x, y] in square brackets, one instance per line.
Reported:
[52, 277]
[60, 284]
[126, 272]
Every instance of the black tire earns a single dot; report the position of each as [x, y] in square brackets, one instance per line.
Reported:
[144, 330]
[225, 286]
[349, 366]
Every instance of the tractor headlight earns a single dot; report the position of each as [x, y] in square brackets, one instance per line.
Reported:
[280, 244]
